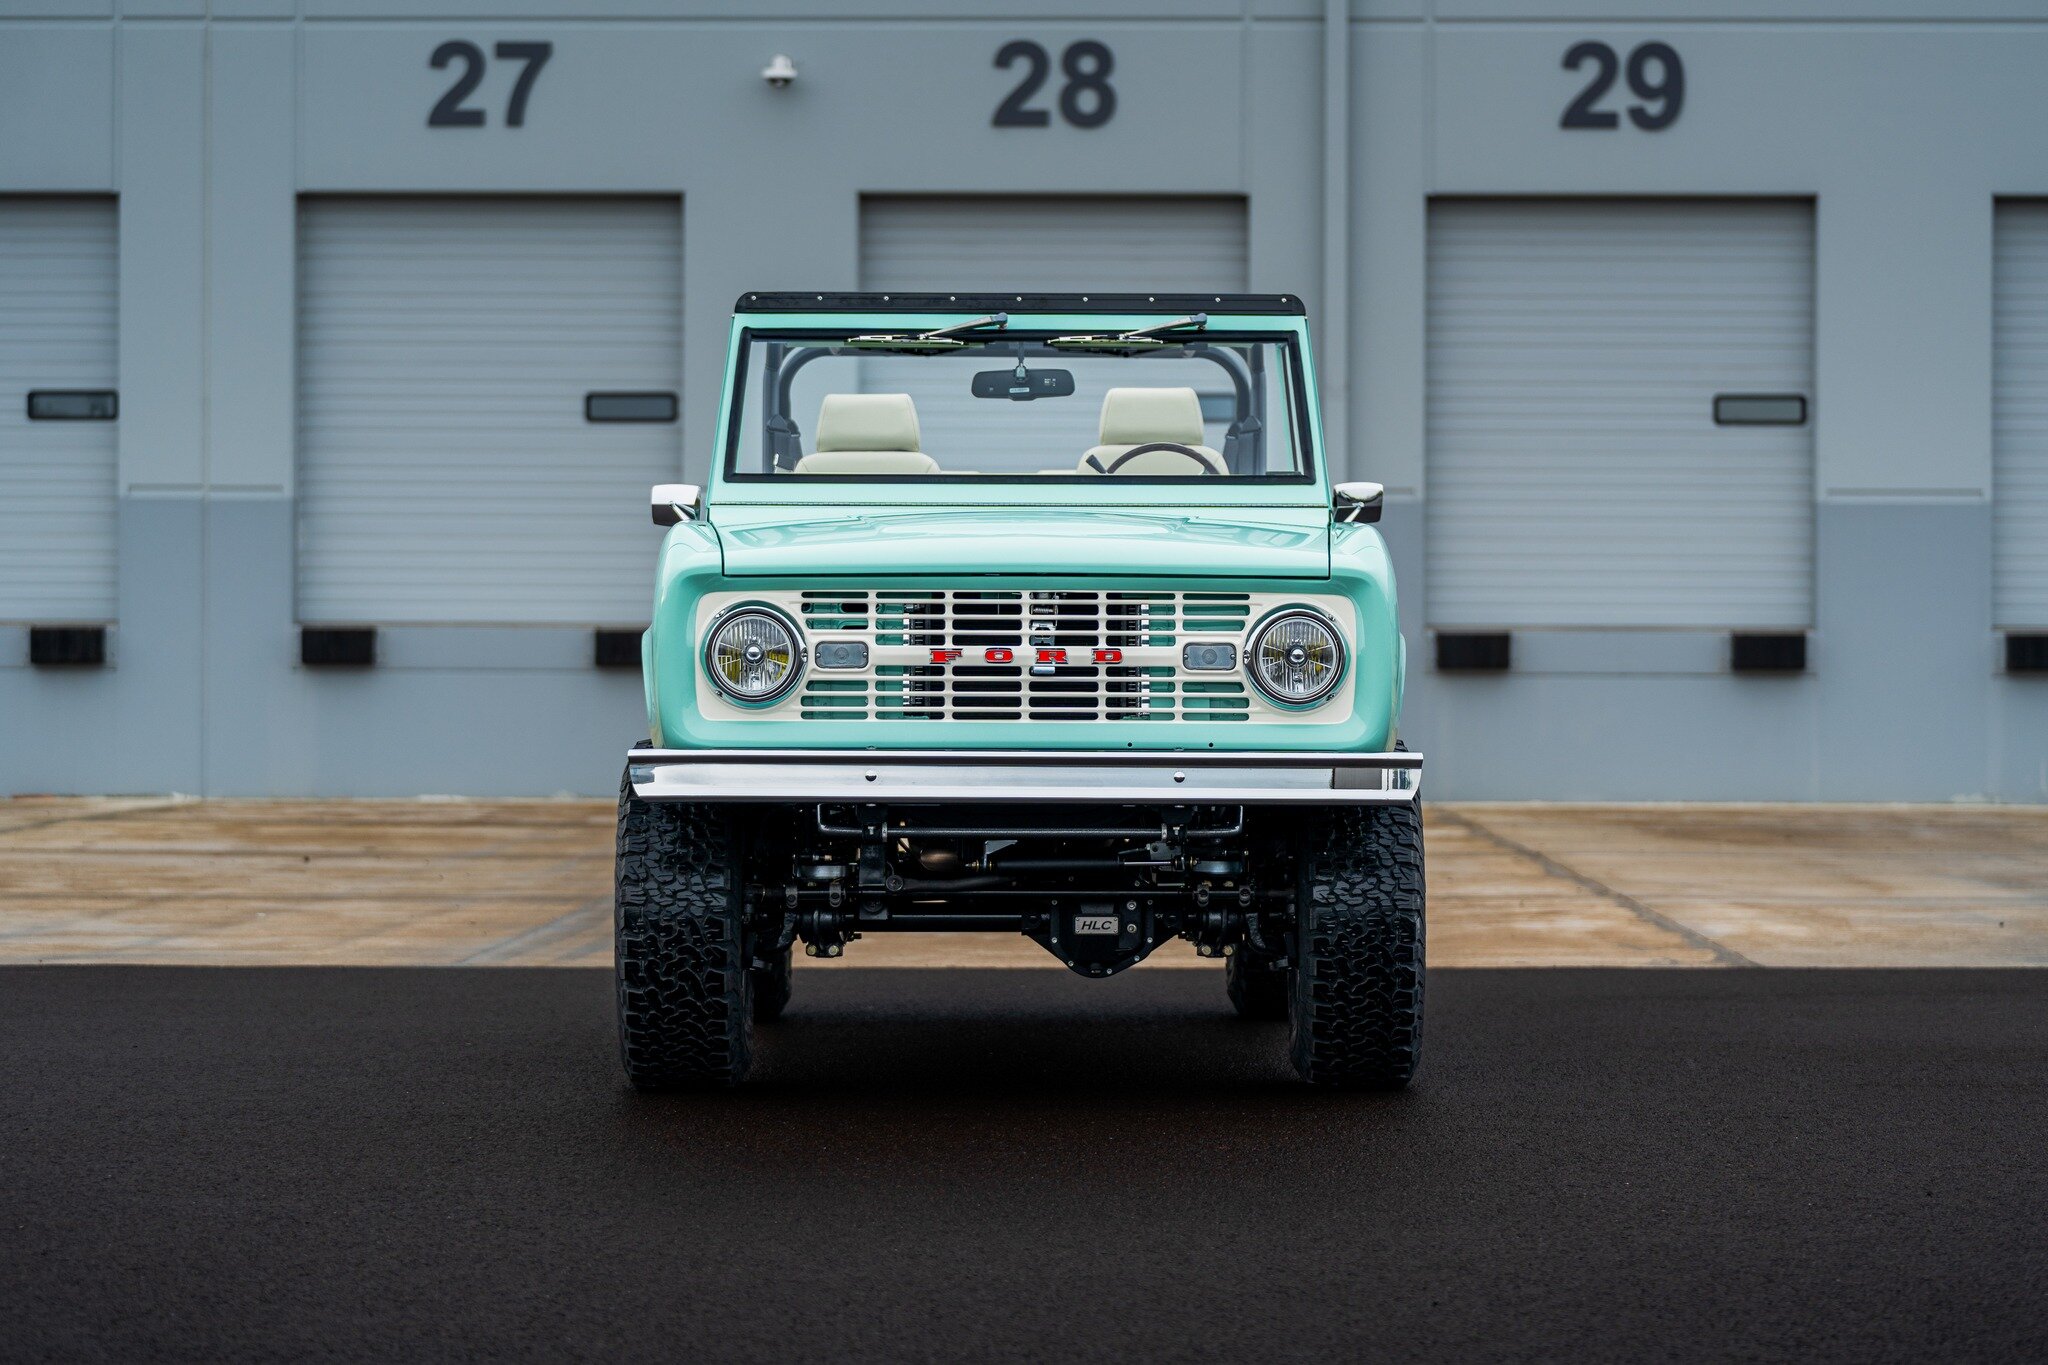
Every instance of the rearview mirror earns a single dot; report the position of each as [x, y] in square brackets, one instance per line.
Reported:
[675, 502]
[1358, 501]
[1020, 385]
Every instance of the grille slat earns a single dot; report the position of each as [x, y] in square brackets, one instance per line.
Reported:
[976, 620]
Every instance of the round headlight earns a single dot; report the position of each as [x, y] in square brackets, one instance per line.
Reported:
[1296, 658]
[752, 654]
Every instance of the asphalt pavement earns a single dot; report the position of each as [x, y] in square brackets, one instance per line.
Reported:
[419, 1164]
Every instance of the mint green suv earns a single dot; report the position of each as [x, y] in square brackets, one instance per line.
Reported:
[1026, 614]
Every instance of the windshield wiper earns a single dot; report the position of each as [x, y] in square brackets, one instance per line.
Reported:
[1129, 343]
[923, 343]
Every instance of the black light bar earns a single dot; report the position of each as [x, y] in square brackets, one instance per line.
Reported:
[73, 405]
[830, 302]
[649, 406]
[1760, 409]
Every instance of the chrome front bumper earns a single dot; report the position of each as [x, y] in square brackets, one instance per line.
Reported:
[1115, 777]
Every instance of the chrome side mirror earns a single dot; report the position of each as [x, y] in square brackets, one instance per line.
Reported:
[1358, 501]
[677, 502]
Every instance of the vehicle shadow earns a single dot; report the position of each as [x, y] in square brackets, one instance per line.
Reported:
[961, 1067]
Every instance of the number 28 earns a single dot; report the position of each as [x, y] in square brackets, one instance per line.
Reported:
[1087, 100]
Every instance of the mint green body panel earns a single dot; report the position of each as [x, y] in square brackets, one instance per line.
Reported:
[789, 534]
[690, 567]
[1278, 542]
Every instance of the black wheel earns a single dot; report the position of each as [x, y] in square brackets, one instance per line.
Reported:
[1257, 986]
[771, 988]
[1356, 984]
[679, 927]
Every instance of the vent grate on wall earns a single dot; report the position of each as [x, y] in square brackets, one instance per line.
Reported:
[67, 646]
[337, 646]
[2026, 652]
[1767, 652]
[1473, 651]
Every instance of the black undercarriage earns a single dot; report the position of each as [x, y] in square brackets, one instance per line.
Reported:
[1098, 887]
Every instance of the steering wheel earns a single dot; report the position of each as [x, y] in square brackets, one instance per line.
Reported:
[1135, 451]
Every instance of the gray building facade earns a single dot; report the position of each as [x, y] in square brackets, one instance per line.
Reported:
[1702, 346]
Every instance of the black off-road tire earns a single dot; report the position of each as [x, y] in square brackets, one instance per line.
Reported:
[1356, 983]
[1257, 985]
[771, 987]
[685, 991]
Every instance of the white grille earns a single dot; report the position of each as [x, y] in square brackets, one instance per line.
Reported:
[903, 627]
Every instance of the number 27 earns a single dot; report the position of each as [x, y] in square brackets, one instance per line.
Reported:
[450, 112]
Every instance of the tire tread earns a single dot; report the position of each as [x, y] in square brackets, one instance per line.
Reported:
[684, 988]
[1358, 978]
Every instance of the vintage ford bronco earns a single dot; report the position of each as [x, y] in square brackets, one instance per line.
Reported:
[1050, 624]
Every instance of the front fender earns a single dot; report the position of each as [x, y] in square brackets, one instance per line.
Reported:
[1359, 553]
[687, 567]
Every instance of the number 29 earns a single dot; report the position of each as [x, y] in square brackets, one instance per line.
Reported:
[1666, 93]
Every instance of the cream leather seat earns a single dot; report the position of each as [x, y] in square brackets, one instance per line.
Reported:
[867, 433]
[1136, 417]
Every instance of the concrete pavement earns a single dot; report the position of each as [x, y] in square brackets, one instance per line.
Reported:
[525, 883]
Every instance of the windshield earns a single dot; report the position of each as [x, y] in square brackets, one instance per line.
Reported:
[1002, 403]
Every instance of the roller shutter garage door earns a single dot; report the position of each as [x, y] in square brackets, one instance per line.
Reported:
[1576, 473]
[447, 472]
[2019, 418]
[1047, 244]
[57, 331]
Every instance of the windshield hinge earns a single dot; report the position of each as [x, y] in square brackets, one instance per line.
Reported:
[992, 320]
[1198, 321]
[1131, 342]
[926, 343]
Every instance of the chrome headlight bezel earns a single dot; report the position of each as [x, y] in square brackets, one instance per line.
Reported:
[1254, 651]
[732, 616]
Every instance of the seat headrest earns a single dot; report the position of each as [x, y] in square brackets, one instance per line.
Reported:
[867, 462]
[1133, 417]
[867, 421]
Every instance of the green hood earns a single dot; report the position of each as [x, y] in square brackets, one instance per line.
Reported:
[935, 542]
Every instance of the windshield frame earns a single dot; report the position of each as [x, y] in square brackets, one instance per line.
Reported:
[1308, 487]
